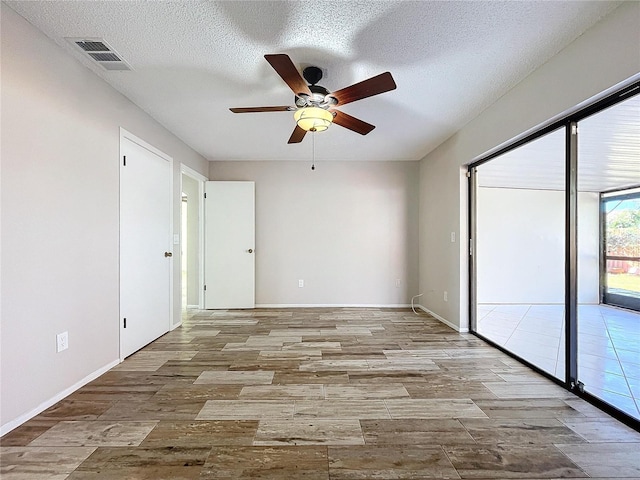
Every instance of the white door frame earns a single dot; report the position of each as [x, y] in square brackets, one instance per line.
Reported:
[190, 172]
[124, 134]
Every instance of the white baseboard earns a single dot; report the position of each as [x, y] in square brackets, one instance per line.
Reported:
[331, 305]
[443, 320]
[7, 427]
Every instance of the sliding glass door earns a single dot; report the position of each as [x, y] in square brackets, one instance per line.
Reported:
[608, 320]
[555, 257]
[519, 245]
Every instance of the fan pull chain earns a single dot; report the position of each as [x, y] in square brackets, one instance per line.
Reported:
[313, 150]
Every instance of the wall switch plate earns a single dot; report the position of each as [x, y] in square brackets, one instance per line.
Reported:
[453, 237]
[62, 341]
[398, 283]
[176, 239]
[446, 297]
[300, 283]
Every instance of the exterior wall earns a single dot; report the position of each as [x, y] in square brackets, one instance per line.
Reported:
[520, 246]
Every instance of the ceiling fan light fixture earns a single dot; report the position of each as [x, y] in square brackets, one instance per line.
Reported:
[313, 119]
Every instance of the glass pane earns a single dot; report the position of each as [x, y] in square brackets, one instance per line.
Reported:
[623, 277]
[519, 254]
[608, 335]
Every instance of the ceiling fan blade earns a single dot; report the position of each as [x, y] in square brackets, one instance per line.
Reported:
[352, 123]
[283, 65]
[367, 88]
[260, 109]
[297, 135]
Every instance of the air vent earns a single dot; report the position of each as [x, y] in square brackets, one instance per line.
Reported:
[92, 46]
[105, 57]
[99, 51]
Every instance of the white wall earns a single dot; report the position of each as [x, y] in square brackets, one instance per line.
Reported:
[60, 177]
[348, 229]
[520, 246]
[605, 55]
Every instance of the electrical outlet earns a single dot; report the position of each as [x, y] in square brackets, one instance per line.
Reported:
[62, 341]
[446, 297]
[453, 237]
[300, 283]
[398, 283]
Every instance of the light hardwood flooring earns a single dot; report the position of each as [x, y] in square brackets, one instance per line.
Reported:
[319, 394]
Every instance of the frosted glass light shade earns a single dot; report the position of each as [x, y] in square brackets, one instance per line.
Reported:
[313, 119]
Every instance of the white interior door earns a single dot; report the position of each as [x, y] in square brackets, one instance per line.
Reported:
[145, 245]
[229, 245]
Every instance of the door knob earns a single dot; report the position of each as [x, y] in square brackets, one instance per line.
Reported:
[168, 254]
[250, 250]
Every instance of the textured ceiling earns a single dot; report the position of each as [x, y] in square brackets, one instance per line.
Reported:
[192, 60]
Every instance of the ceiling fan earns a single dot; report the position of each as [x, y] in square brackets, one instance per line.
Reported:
[315, 107]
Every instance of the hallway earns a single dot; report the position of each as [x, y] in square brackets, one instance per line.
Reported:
[325, 394]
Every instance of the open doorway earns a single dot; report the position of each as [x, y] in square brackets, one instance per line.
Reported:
[184, 247]
[191, 244]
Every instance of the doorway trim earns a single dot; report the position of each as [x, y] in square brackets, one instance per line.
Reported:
[198, 177]
[126, 135]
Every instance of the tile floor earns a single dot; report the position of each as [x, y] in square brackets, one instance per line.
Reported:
[327, 394]
[608, 345]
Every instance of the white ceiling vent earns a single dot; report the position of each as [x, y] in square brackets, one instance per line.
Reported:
[99, 51]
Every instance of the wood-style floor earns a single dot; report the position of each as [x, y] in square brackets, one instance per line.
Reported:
[319, 394]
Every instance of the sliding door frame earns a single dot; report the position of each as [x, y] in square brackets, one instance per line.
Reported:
[571, 257]
[472, 175]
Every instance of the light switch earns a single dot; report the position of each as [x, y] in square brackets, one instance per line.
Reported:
[176, 239]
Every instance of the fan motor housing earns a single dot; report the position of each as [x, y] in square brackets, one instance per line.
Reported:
[319, 97]
[312, 75]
